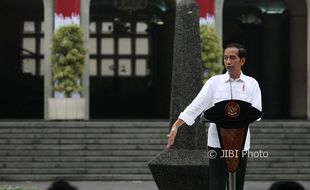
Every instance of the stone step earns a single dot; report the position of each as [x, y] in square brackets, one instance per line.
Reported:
[83, 136]
[137, 177]
[125, 158]
[99, 159]
[78, 177]
[160, 141]
[280, 147]
[278, 171]
[277, 177]
[86, 124]
[271, 158]
[115, 164]
[279, 165]
[295, 153]
[97, 147]
[109, 150]
[147, 141]
[75, 171]
[98, 130]
[279, 141]
[83, 153]
[125, 130]
[277, 136]
[130, 136]
[145, 170]
[281, 124]
[138, 123]
[265, 130]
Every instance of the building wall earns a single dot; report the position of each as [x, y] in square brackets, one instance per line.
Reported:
[298, 58]
[277, 44]
[277, 59]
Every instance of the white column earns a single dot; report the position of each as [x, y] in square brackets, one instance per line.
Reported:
[48, 31]
[218, 14]
[85, 6]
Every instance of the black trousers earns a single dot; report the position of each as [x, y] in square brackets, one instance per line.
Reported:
[218, 175]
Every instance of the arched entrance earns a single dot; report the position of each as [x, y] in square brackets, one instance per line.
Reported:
[21, 59]
[130, 59]
[263, 27]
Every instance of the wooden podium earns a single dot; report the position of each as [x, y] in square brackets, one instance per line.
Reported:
[232, 118]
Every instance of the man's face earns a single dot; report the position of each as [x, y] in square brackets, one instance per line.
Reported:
[232, 61]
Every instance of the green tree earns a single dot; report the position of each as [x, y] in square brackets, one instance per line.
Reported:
[68, 55]
[211, 52]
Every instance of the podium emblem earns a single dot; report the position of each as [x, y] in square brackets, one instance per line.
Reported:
[232, 109]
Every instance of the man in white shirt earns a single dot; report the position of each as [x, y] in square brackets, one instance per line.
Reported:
[231, 85]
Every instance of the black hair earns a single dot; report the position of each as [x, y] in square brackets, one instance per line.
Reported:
[61, 185]
[286, 185]
[242, 52]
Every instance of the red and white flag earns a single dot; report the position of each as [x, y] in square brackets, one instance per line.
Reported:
[67, 12]
[206, 12]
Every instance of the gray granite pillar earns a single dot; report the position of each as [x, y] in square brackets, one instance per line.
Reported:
[48, 31]
[186, 73]
[185, 164]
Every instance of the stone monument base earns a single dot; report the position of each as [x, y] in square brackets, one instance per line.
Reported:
[179, 169]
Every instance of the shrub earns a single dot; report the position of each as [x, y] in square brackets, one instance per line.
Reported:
[211, 52]
[68, 55]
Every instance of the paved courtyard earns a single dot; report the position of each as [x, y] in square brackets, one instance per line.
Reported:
[134, 185]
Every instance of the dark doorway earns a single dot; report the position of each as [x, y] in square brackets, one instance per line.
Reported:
[21, 59]
[265, 33]
[130, 60]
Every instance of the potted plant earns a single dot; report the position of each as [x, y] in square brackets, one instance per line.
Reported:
[68, 55]
[211, 52]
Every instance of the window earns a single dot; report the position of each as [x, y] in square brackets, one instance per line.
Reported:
[119, 49]
[32, 48]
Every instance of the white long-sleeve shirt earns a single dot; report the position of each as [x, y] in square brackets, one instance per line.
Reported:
[217, 89]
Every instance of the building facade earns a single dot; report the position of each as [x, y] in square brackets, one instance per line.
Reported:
[129, 62]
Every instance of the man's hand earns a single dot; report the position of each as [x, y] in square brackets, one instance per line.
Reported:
[171, 136]
[173, 132]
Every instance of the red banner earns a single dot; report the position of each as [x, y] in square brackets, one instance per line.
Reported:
[67, 8]
[206, 12]
[67, 12]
